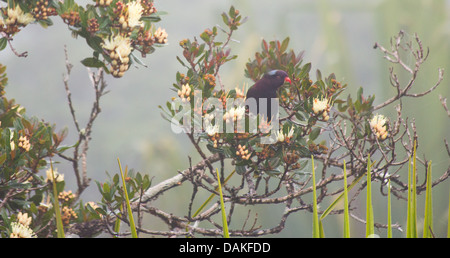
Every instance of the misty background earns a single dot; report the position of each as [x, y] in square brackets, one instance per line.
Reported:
[337, 36]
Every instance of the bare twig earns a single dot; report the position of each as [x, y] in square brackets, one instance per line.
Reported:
[393, 56]
[79, 157]
[10, 39]
[444, 104]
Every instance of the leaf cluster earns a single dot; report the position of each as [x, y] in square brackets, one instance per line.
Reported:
[97, 23]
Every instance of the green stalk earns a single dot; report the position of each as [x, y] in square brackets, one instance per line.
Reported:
[335, 202]
[117, 223]
[408, 209]
[428, 220]
[59, 224]
[316, 226]
[212, 195]
[222, 207]
[130, 212]
[370, 230]
[339, 198]
[414, 193]
[210, 198]
[346, 213]
[389, 229]
[411, 230]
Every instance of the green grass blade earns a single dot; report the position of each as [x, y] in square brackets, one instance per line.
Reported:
[59, 224]
[428, 220]
[346, 213]
[339, 198]
[222, 207]
[210, 198]
[316, 226]
[414, 194]
[370, 229]
[408, 209]
[411, 229]
[335, 202]
[389, 229]
[130, 212]
[117, 224]
[212, 195]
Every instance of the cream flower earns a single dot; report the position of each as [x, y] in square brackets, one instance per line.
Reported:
[58, 177]
[25, 19]
[160, 36]
[320, 105]
[21, 231]
[234, 114]
[18, 15]
[239, 92]
[378, 126]
[281, 137]
[119, 45]
[134, 13]
[24, 143]
[185, 93]
[211, 130]
[23, 219]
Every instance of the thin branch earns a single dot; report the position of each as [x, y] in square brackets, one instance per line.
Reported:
[10, 39]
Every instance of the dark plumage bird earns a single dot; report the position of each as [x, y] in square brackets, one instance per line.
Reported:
[266, 88]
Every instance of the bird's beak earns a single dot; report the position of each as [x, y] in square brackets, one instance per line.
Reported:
[287, 79]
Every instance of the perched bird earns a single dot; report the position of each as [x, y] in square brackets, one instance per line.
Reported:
[266, 88]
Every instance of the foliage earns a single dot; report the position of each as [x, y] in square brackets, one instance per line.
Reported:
[26, 145]
[115, 30]
[316, 123]
[311, 111]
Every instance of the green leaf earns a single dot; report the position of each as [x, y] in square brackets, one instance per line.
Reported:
[222, 207]
[316, 227]
[3, 42]
[428, 217]
[2, 158]
[59, 224]
[240, 169]
[225, 18]
[284, 45]
[127, 200]
[389, 229]
[411, 223]
[370, 229]
[95, 43]
[138, 60]
[339, 198]
[314, 133]
[210, 198]
[92, 62]
[318, 75]
[346, 212]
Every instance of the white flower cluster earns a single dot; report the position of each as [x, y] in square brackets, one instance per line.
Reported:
[16, 15]
[185, 93]
[135, 10]
[378, 126]
[21, 228]
[322, 106]
[281, 137]
[58, 177]
[234, 114]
